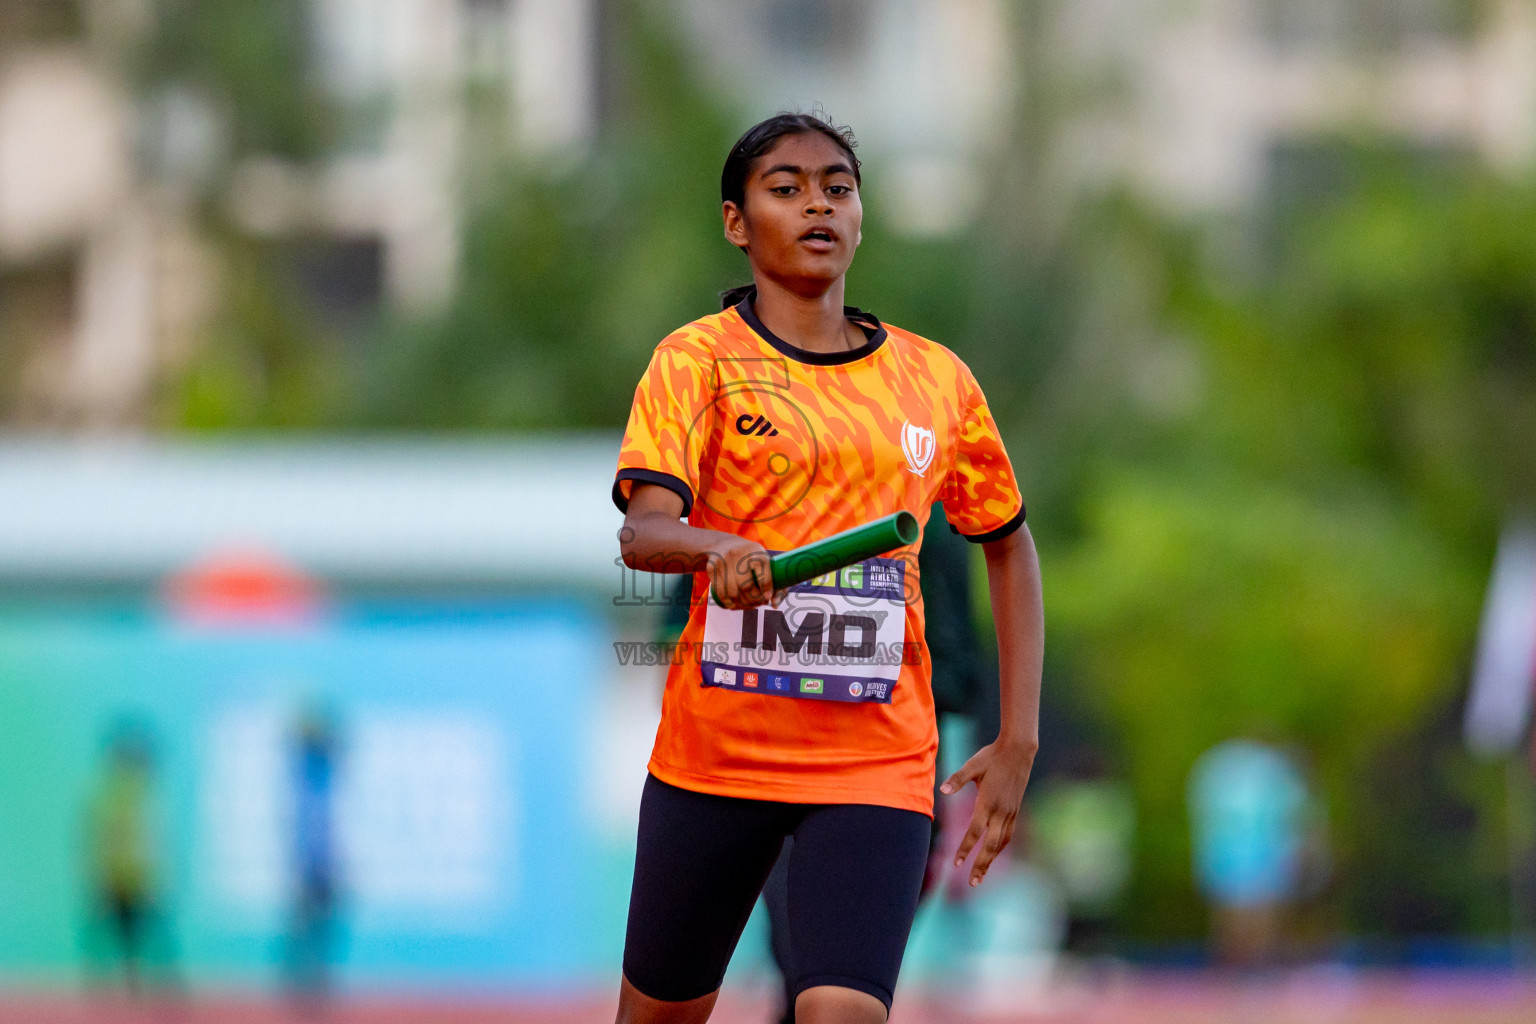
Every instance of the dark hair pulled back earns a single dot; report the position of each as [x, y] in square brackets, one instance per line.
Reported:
[764, 135]
[756, 142]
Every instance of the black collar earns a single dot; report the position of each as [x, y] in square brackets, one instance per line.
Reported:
[866, 322]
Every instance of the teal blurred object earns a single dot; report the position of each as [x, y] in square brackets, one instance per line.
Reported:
[1246, 807]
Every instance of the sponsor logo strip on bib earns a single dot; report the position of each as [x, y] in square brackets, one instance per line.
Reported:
[859, 689]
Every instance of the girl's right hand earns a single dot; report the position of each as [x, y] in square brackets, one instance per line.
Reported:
[740, 575]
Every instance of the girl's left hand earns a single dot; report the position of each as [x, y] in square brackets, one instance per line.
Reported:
[1001, 772]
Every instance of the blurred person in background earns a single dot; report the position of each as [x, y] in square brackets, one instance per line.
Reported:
[124, 855]
[1084, 826]
[884, 421]
[315, 869]
[960, 687]
[1248, 809]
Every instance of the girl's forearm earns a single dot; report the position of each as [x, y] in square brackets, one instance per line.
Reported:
[658, 542]
[1018, 610]
[655, 539]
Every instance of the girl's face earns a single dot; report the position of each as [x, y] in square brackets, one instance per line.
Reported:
[800, 220]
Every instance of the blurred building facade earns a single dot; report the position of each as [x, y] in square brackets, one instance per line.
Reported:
[79, 245]
[1208, 92]
[105, 277]
[1187, 100]
[108, 278]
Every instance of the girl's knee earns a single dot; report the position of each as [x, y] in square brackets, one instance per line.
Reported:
[635, 1007]
[833, 1004]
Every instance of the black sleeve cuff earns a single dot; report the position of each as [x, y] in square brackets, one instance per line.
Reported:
[650, 476]
[1010, 526]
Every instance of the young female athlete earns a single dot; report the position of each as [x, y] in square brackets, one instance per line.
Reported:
[807, 712]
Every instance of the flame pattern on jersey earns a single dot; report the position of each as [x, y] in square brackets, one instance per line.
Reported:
[897, 424]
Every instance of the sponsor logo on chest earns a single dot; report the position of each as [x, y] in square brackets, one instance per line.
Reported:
[759, 427]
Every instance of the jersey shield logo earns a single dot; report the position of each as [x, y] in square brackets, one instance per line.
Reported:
[917, 445]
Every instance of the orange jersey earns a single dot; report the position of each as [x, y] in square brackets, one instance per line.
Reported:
[829, 701]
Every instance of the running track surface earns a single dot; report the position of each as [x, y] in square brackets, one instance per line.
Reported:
[1317, 997]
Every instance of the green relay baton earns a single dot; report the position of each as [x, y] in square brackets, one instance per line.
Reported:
[822, 556]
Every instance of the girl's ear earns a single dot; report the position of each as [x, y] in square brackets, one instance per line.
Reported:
[735, 224]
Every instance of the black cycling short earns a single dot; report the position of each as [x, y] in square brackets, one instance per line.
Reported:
[854, 875]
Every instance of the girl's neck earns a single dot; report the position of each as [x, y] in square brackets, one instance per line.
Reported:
[812, 322]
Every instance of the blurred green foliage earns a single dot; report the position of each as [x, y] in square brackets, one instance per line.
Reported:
[1299, 552]
[1266, 458]
[253, 58]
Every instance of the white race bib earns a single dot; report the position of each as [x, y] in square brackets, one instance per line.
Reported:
[837, 637]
